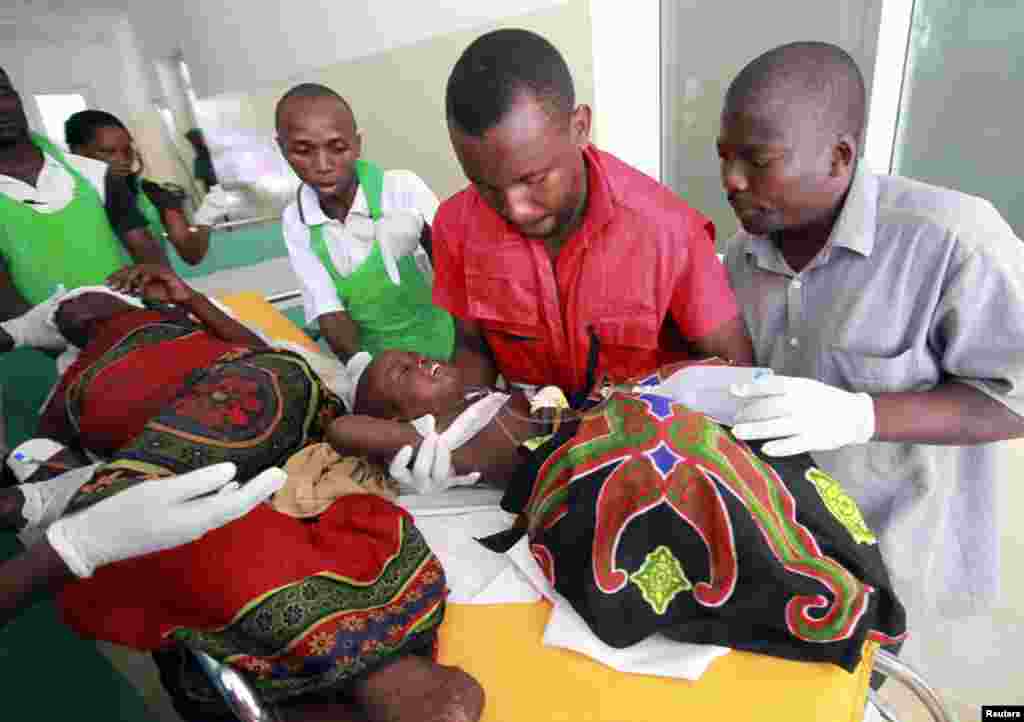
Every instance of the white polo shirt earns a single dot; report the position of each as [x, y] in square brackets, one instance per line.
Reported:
[56, 186]
[349, 242]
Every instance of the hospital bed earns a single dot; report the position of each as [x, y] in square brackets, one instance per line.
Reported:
[501, 644]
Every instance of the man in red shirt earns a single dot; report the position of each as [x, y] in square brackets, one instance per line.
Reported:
[561, 263]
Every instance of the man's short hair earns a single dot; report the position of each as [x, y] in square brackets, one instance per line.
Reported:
[821, 76]
[496, 69]
[309, 90]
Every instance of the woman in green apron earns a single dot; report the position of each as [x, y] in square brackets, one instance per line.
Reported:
[46, 250]
[100, 135]
[367, 281]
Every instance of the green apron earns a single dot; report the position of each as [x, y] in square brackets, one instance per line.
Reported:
[76, 246]
[151, 213]
[388, 316]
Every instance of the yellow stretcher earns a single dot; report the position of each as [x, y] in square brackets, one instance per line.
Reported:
[501, 646]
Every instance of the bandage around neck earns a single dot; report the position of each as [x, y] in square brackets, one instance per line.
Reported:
[467, 424]
[355, 367]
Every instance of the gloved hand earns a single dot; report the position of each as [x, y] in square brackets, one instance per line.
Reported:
[803, 415]
[46, 500]
[35, 328]
[432, 471]
[156, 515]
[398, 234]
[706, 389]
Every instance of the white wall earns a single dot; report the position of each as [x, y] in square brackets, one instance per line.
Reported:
[403, 126]
[98, 56]
[232, 46]
[627, 81]
[91, 57]
[705, 44]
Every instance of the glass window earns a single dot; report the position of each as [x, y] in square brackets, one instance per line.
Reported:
[54, 109]
[961, 103]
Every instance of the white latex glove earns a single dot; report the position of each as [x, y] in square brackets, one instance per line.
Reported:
[398, 234]
[803, 415]
[46, 500]
[432, 471]
[707, 389]
[35, 327]
[156, 515]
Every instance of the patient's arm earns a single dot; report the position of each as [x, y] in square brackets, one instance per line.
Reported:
[361, 435]
[161, 284]
[491, 452]
[37, 568]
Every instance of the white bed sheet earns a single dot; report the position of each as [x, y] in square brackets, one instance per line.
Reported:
[452, 521]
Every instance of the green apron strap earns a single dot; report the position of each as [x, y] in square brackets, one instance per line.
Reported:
[44, 144]
[319, 246]
[371, 178]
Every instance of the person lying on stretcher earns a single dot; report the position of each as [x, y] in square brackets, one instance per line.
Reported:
[646, 515]
[322, 613]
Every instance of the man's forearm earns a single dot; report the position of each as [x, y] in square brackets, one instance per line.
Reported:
[951, 413]
[38, 568]
[11, 503]
[192, 242]
[12, 303]
[220, 324]
[143, 248]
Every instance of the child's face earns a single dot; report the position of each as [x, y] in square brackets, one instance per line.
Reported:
[413, 384]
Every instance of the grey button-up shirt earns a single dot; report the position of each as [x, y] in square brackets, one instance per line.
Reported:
[916, 284]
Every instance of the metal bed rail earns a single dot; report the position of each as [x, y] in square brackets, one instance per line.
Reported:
[228, 225]
[894, 668]
[284, 296]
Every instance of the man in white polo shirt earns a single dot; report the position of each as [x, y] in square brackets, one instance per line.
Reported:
[356, 235]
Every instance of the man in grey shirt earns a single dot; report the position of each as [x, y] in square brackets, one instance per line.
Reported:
[892, 313]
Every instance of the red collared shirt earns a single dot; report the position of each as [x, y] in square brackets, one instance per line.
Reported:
[640, 254]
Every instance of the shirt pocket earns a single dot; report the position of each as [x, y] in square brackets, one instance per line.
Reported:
[628, 344]
[506, 310]
[502, 300]
[911, 369]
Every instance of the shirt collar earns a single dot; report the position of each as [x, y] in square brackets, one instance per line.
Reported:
[601, 193]
[854, 229]
[313, 214]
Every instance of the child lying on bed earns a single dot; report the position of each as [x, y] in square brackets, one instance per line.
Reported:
[319, 611]
[651, 518]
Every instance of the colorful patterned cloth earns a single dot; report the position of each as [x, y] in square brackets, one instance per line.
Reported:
[300, 606]
[134, 364]
[650, 518]
[255, 408]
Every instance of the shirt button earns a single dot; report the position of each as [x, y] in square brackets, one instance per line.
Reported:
[798, 284]
[794, 342]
